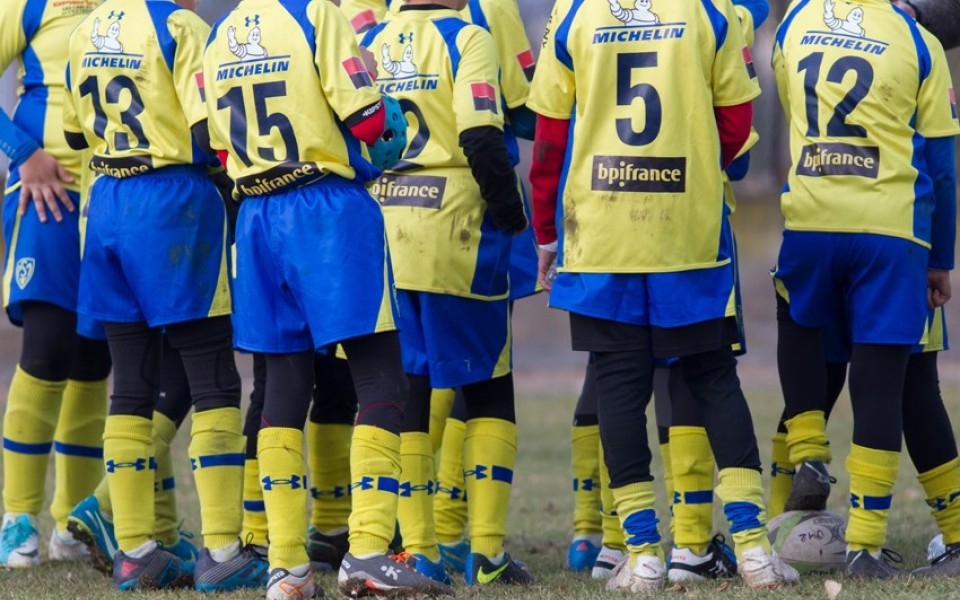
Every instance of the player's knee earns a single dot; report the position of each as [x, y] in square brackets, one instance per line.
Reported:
[491, 399]
[91, 360]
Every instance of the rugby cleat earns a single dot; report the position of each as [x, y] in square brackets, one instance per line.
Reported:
[19, 541]
[811, 487]
[326, 551]
[185, 550]
[454, 556]
[761, 569]
[482, 571]
[388, 574]
[646, 575]
[248, 569]
[606, 562]
[944, 564]
[287, 585]
[433, 570]
[863, 565]
[157, 570]
[583, 552]
[719, 560]
[64, 547]
[93, 529]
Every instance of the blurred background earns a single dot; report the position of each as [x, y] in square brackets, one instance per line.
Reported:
[543, 360]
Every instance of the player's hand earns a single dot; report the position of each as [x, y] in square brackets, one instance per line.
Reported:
[906, 8]
[545, 263]
[938, 287]
[509, 217]
[370, 62]
[41, 180]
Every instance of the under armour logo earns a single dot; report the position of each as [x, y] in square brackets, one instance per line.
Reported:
[337, 491]
[777, 469]
[454, 492]
[584, 485]
[854, 501]
[407, 489]
[255, 20]
[295, 482]
[365, 483]
[138, 465]
[405, 38]
[480, 472]
[118, 15]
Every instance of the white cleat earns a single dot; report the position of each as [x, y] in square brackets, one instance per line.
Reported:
[287, 585]
[19, 542]
[64, 547]
[762, 570]
[606, 562]
[647, 576]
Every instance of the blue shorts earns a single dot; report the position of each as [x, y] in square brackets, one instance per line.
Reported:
[155, 249]
[838, 348]
[874, 285]
[311, 269]
[455, 341]
[524, 260]
[659, 299]
[42, 262]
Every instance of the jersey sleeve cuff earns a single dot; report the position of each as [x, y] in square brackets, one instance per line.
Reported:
[24, 151]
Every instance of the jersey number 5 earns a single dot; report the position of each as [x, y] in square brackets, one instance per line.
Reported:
[627, 92]
[266, 122]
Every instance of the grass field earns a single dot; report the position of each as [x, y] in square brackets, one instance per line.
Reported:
[540, 521]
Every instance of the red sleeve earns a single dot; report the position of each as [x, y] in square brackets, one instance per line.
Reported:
[222, 155]
[733, 123]
[549, 152]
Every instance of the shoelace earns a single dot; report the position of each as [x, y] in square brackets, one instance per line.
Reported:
[406, 559]
[890, 557]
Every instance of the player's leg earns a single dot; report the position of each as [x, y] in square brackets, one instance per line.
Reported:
[697, 553]
[441, 403]
[450, 502]
[254, 509]
[78, 441]
[329, 431]
[928, 433]
[33, 404]
[663, 413]
[614, 548]
[585, 466]
[173, 406]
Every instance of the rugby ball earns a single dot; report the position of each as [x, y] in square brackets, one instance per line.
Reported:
[810, 541]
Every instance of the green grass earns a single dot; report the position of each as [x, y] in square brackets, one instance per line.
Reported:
[540, 522]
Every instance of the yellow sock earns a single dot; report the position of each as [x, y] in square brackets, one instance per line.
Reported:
[28, 427]
[128, 455]
[584, 463]
[693, 468]
[254, 512]
[164, 483]
[638, 519]
[668, 485]
[741, 492]
[612, 531]
[415, 505]
[807, 437]
[78, 446]
[328, 458]
[375, 474]
[217, 456]
[942, 486]
[441, 403]
[283, 480]
[872, 476]
[102, 493]
[450, 503]
[489, 455]
[781, 475]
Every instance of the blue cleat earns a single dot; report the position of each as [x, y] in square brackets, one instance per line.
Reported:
[19, 542]
[582, 553]
[90, 526]
[185, 550]
[157, 570]
[433, 570]
[454, 556]
[481, 571]
[248, 569]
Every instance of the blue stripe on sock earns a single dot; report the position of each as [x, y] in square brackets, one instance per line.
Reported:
[221, 460]
[742, 516]
[498, 473]
[871, 502]
[254, 505]
[699, 497]
[21, 448]
[641, 528]
[81, 451]
[388, 484]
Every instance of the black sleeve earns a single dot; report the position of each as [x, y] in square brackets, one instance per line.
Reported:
[201, 133]
[942, 18]
[523, 120]
[76, 141]
[490, 163]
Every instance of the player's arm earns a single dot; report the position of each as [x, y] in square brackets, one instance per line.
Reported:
[734, 87]
[516, 64]
[938, 16]
[476, 102]
[41, 176]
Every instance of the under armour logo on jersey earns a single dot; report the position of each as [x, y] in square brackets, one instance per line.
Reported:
[118, 15]
[407, 488]
[338, 491]
[295, 482]
[138, 465]
[406, 37]
[584, 485]
[390, 572]
[23, 272]
[255, 20]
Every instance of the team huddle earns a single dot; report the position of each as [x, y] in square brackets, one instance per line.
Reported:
[334, 190]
